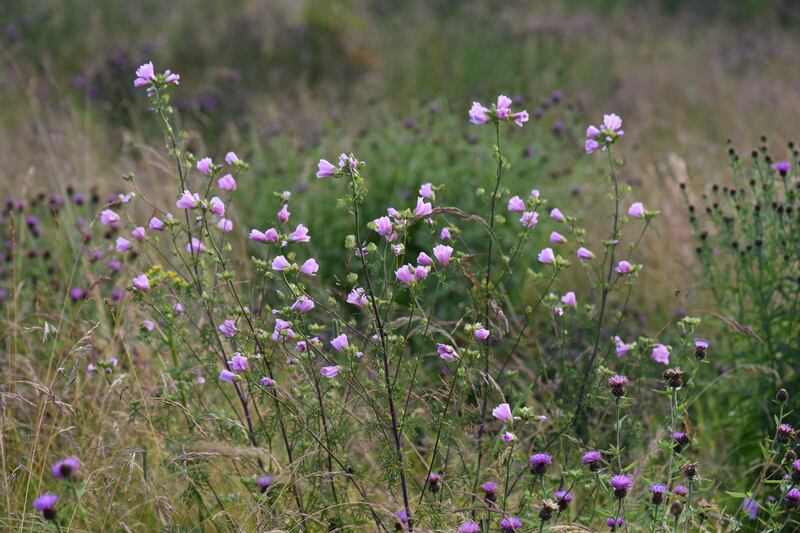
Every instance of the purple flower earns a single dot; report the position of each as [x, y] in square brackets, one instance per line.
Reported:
[340, 343]
[539, 463]
[357, 297]
[606, 135]
[238, 363]
[77, 294]
[592, 459]
[148, 325]
[569, 299]
[264, 482]
[750, 506]
[195, 247]
[503, 412]
[426, 191]
[227, 375]
[227, 183]
[469, 527]
[300, 234]
[267, 382]
[141, 283]
[325, 169]
[280, 263]
[217, 206]
[46, 504]
[446, 352]
[621, 485]
[489, 487]
[636, 210]
[623, 267]
[329, 371]
[225, 224]
[660, 354]
[520, 118]
[123, 244]
[228, 328]
[503, 107]
[547, 256]
[792, 497]
[557, 238]
[66, 468]
[510, 524]
[139, 233]
[284, 214]
[445, 234]
[269, 236]
[188, 200]
[529, 219]
[442, 253]
[422, 209]
[405, 274]
[614, 524]
[303, 305]
[383, 226]
[424, 259]
[156, 224]
[205, 165]
[309, 267]
[782, 167]
[620, 346]
[508, 437]
[680, 490]
[231, 158]
[481, 334]
[585, 254]
[557, 215]
[478, 114]
[563, 498]
[107, 216]
[516, 204]
[145, 75]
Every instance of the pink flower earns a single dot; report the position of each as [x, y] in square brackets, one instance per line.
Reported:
[383, 226]
[228, 328]
[529, 219]
[227, 183]
[445, 235]
[557, 215]
[503, 107]
[421, 272]
[148, 325]
[225, 224]
[424, 259]
[195, 246]
[557, 238]
[585, 254]
[145, 75]
[503, 412]
[303, 305]
[227, 375]
[516, 204]
[547, 256]
[231, 158]
[426, 190]
[569, 299]
[177, 309]
[446, 352]
[205, 165]
[340, 343]
[325, 169]
[107, 216]
[661, 354]
[621, 347]
[591, 146]
[139, 233]
[141, 283]
[123, 244]
[520, 118]
[481, 334]
[442, 253]
[284, 214]
[636, 210]
[217, 206]
[478, 114]
[238, 363]
[405, 274]
[310, 267]
[271, 235]
[509, 437]
[329, 371]
[279, 263]
[623, 267]
[357, 297]
[423, 209]
[156, 224]
[300, 234]
[188, 200]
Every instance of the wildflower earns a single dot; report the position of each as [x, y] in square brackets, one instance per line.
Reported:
[509, 437]
[547, 256]
[539, 463]
[424, 259]
[402, 517]
[300, 234]
[792, 497]
[503, 412]
[446, 352]
[46, 504]
[469, 527]
[309, 267]
[284, 214]
[303, 305]
[426, 191]
[585, 254]
[123, 244]
[77, 294]
[569, 299]
[529, 219]
[357, 297]
[107, 216]
[383, 226]
[782, 395]
[442, 253]
[280, 263]
[148, 325]
[680, 439]
[489, 491]
[782, 167]
[660, 354]
[593, 460]
[66, 468]
[340, 343]
[433, 480]
[636, 210]
[617, 384]
[557, 238]
[269, 236]
[621, 485]
[217, 206]
[510, 524]
[606, 135]
[282, 329]
[503, 107]
[156, 224]
[680, 490]
[227, 183]
[563, 498]
[329, 371]
[785, 432]
[520, 118]
[227, 375]
[557, 215]
[750, 506]
[423, 209]
[674, 377]
[145, 75]
[238, 363]
[225, 224]
[139, 233]
[141, 283]
[264, 482]
[405, 274]
[658, 492]
[615, 523]
[700, 348]
[478, 114]
[516, 204]
[195, 246]
[623, 267]
[267, 382]
[177, 309]
[188, 200]
[481, 334]
[325, 169]
[228, 328]
[205, 165]
[689, 470]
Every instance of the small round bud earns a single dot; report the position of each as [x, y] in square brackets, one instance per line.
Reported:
[782, 395]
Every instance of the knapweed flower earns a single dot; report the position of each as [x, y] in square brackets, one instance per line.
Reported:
[329, 371]
[442, 253]
[700, 348]
[303, 305]
[606, 135]
[620, 347]
[657, 490]
[66, 468]
[503, 412]
[674, 377]
[405, 274]
[469, 527]
[300, 234]
[584, 254]
[660, 354]
[216, 206]
[195, 247]
[340, 343]
[623, 267]
[156, 224]
[107, 216]
[434, 480]
[557, 238]
[782, 167]
[478, 114]
[516, 204]
[264, 483]
[446, 352]
[46, 504]
[510, 524]
[621, 485]
[228, 328]
[489, 490]
[284, 214]
[267, 382]
[238, 363]
[680, 440]
[227, 375]
[785, 432]
[593, 460]
[205, 165]
[227, 183]
[423, 208]
[269, 236]
[792, 497]
[309, 267]
[750, 507]
[77, 294]
[529, 219]
[481, 334]
[569, 299]
[539, 463]
[636, 210]
[617, 384]
[549, 508]
[123, 244]
[357, 297]
[279, 263]
[557, 215]
[680, 490]
[139, 233]
[141, 283]
[547, 256]
[615, 523]
[563, 498]
[188, 200]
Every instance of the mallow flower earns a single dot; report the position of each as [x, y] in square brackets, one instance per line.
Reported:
[227, 183]
[547, 256]
[309, 267]
[205, 165]
[503, 412]
[516, 204]
[636, 210]
[340, 343]
[442, 253]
